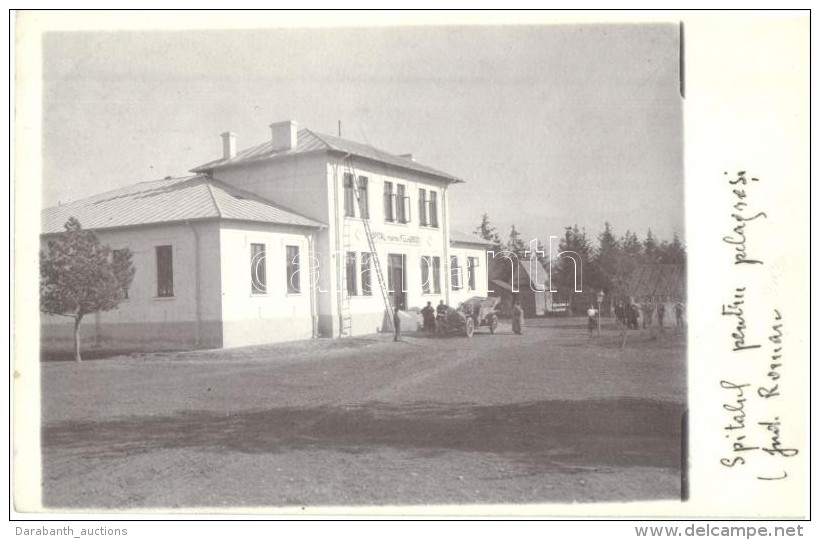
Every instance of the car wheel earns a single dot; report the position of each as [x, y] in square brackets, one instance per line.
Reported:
[469, 328]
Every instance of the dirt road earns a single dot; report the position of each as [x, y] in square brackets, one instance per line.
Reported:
[543, 417]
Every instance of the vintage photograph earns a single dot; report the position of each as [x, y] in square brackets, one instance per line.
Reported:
[362, 267]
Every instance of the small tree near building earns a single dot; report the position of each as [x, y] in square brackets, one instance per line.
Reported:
[79, 276]
[488, 232]
[515, 244]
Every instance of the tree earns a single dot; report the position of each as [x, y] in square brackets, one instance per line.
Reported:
[630, 256]
[606, 257]
[672, 252]
[575, 241]
[630, 245]
[515, 244]
[487, 231]
[650, 247]
[80, 276]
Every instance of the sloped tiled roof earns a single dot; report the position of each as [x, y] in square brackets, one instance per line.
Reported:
[170, 200]
[458, 237]
[536, 273]
[310, 141]
[655, 280]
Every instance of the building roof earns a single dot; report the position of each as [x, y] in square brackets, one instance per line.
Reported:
[534, 271]
[655, 279]
[309, 141]
[170, 200]
[458, 237]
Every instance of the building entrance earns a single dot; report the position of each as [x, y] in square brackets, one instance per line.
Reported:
[396, 286]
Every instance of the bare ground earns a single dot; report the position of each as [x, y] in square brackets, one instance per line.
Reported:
[543, 417]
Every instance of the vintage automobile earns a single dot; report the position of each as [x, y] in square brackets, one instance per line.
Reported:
[475, 312]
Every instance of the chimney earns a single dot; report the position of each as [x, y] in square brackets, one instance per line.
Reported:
[228, 145]
[408, 156]
[283, 135]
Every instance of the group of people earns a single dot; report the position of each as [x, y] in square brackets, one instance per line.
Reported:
[627, 313]
[431, 316]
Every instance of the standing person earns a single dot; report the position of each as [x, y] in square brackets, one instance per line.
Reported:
[679, 315]
[619, 313]
[632, 315]
[441, 309]
[428, 314]
[441, 315]
[396, 324]
[646, 310]
[518, 318]
[661, 313]
[591, 312]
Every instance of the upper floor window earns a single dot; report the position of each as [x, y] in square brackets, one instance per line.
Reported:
[165, 271]
[350, 197]
[423, 205]
[389, 202]
[402, 204]
[428, 207]
[356, 195]
[364, 207]
[433, 209]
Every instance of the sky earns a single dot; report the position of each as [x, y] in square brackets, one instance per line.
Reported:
[549, 125]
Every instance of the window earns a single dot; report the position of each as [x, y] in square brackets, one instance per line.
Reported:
[455, 274]
[293, 272]
[402, 204]
[437, 275]
[367, 289]
[165, 271]
[259, 274]
[428, 208]
[364, 207]
[426, 264]
[350, 273]
[433, 209]
[118, 258]
[472, 263]
[350, 199]
[400, 215]
[389, 202]
[423, 206]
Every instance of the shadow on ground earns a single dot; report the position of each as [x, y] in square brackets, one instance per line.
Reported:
[137, 352]
[546, 435]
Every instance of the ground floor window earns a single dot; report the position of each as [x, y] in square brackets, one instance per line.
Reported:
[472, 263]
[455, 274]
[165, 271]
[259, 278]
[396, 285]
[366, 271]
[437, 275]
[431, 275]
[425, 275]
[350, 273]
[293, 272]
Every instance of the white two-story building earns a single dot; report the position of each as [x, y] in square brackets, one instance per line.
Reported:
[277, 242]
